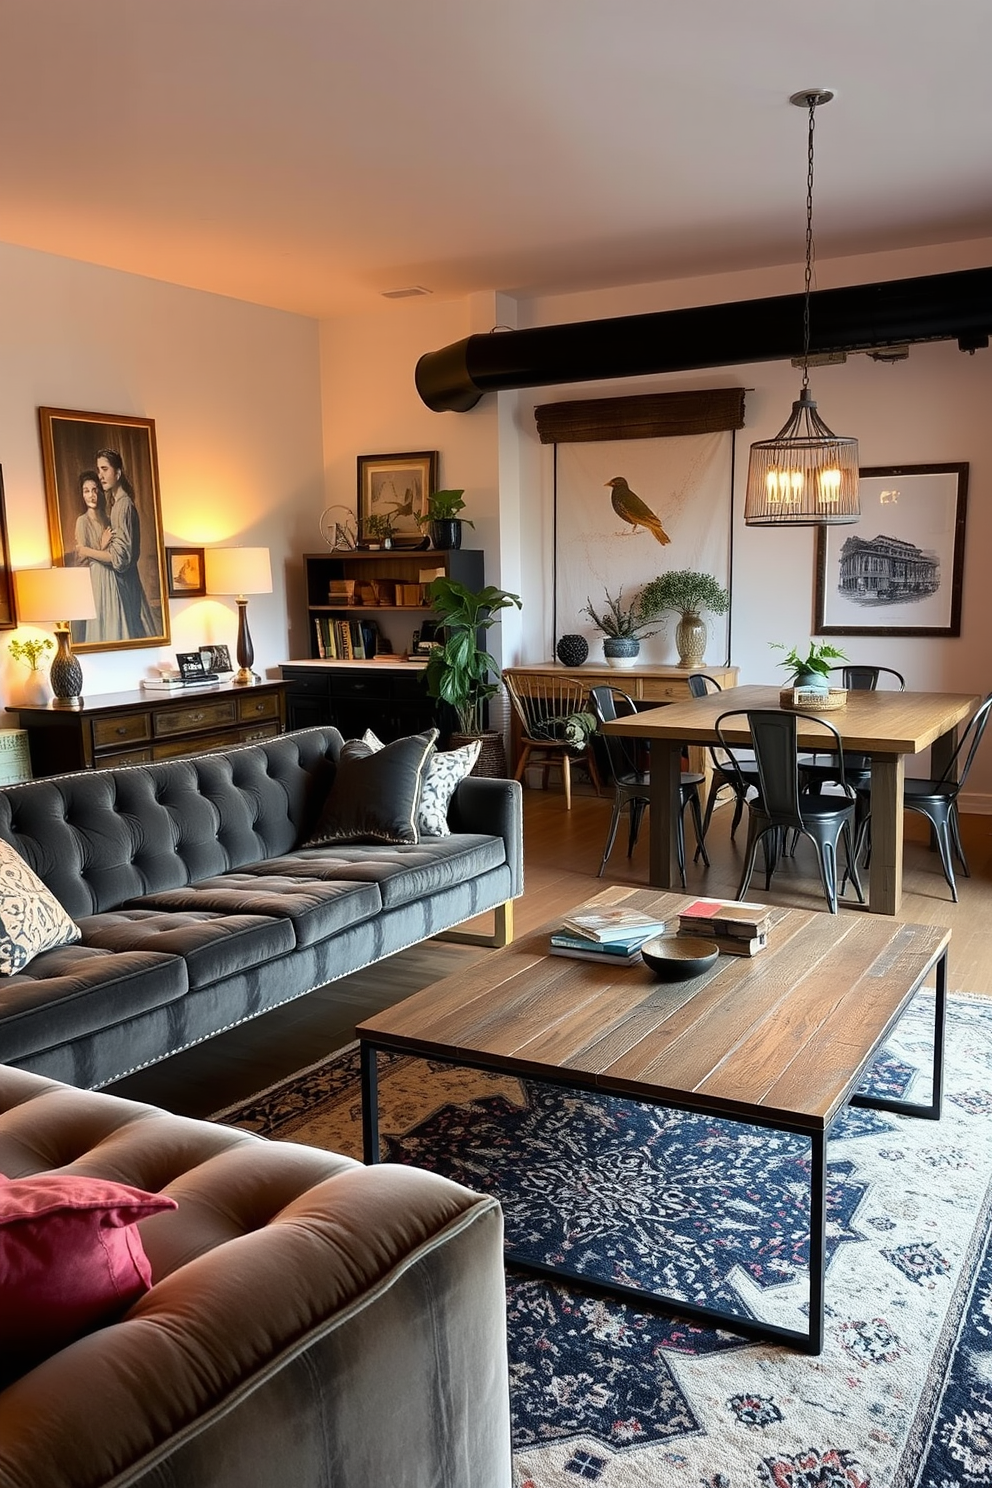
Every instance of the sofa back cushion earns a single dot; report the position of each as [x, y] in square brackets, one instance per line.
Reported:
[101, 837]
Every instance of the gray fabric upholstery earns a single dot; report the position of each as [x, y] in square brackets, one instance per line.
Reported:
[311, 1322]
[197, 911]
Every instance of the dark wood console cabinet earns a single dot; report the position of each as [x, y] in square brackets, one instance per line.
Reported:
[132, 728]
[388, 697]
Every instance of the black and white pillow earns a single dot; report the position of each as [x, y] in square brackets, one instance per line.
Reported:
[446, 769]
[31, 918]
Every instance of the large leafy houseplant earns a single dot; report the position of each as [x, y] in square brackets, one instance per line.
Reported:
[459, 671]
[685, 591]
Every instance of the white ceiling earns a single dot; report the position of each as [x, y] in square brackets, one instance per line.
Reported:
[311, 154]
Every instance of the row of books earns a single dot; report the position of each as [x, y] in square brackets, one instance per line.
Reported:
[614, 935]
[345, 640]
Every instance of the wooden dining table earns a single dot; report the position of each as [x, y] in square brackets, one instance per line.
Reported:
[885, 726]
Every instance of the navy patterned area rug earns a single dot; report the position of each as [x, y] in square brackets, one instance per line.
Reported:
[605, 1393]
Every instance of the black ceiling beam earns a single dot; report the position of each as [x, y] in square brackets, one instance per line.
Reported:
[933, 307]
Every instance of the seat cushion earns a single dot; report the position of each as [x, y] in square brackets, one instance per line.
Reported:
[316, 909]
[77, 990]
[402, 873]
[214, 946]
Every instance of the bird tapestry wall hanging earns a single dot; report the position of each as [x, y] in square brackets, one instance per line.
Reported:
[669, 509]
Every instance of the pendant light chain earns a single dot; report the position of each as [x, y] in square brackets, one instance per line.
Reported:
[809, 239]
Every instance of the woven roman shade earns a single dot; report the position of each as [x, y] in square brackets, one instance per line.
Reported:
[643, 416]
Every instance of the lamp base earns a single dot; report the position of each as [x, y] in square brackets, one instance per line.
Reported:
[65, 674]
[244, 677]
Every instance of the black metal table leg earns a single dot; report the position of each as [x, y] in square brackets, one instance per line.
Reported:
[370, 1102]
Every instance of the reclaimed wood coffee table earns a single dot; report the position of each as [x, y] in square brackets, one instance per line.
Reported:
[781, 1041]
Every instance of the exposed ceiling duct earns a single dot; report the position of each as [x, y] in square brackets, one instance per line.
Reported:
[864, 317]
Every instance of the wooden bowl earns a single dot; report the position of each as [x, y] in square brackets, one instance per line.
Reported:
[677, 958]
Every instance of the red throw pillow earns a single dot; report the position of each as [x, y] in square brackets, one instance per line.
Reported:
[70, 1258]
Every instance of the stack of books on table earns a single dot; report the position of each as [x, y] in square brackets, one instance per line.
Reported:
[738, 929]
[613, 935]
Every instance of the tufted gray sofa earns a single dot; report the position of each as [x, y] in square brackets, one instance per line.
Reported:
[198, 911]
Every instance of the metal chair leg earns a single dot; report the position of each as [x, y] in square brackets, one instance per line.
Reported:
[611, 836]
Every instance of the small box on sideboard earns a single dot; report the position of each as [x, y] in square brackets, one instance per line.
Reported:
[15, 756]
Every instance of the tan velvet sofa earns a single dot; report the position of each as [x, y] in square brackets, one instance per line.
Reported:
[312, 1323]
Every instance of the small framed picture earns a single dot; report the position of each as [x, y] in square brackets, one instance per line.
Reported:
[392, 494]
[187, 579]
[216, 658]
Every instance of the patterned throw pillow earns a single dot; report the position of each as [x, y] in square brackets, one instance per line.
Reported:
[447, 768]
[31, 918]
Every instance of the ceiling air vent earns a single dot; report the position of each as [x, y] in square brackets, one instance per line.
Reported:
[405, 294]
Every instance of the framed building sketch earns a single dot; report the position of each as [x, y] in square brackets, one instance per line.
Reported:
[396, 487]
[8, 618]
[104, 513]
[900, 571]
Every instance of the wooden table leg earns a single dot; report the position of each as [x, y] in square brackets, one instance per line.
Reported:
[666, 777]
[888, 774]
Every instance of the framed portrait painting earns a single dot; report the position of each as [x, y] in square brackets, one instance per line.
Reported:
[395, 487]
[105, 514]
[187, 579]
[899, 572]
[8, 619]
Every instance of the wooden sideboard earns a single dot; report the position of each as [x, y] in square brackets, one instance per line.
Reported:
[132, 728]
[649, 686]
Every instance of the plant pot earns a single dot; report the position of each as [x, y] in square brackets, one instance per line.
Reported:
[492, 756]
[812, 681]
[690, 639]
[446, 533]
[572, 650]
[621, 651]
[35, 689]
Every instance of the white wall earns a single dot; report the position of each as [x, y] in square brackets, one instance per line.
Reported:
[234, 390]
[930, 408]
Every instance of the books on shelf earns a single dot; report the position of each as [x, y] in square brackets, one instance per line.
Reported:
[609, 953]
[614, 924]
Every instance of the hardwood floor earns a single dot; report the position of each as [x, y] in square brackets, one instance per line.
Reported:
[562, 854]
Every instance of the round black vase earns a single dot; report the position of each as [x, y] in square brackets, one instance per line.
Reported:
[446, 533]
[572, 650]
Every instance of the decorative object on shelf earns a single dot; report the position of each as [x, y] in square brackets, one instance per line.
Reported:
[34, 654]
[460, 672]
[572, 650]
[216, 658]
[240, 571]
[377, 531]
[339, 535]
[396, 486]
[105, 516]
[442, 520]
[904, 577]
[688, 593]
[806, 475]
[184, 567]
[812, 671]
[57, 596]
[622, 625]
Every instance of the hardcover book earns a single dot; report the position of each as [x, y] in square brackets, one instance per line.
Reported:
[614, 924]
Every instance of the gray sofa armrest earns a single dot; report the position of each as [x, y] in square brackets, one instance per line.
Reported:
[493, 807]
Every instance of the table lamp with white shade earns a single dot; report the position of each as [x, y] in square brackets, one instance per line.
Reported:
[57, 596]
[240, 571]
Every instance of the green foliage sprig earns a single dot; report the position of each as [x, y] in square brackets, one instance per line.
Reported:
[31, 652]
[685, 591]
[619, 619]
[460, 670]
[444, 506]
[816, 660]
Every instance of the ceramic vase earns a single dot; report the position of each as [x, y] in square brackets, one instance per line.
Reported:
[621, 651]
[35, 689]
[812, 682]
[572, 650]
[690, 639]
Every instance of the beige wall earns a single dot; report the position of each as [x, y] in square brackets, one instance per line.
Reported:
[234, 393]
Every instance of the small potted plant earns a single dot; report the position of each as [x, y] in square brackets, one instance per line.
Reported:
[623, 625]
[459, 671]
[689, 594]
[379, 530]
[34, 653]
[442, 520]
[812, 670]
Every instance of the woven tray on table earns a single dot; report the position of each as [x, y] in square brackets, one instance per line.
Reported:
[807, 700]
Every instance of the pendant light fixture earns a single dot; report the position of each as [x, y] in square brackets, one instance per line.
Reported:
[806, 476]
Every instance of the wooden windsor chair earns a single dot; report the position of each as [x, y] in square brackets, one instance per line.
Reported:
[556, 725]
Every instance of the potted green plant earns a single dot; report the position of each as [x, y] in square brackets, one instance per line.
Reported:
[689, 594]
[442, 520]
[623, 626]
[812, 670]
[33, 652]
[379, 530]
[461, 672]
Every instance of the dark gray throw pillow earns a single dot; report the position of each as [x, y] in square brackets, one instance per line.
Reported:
[376, 792]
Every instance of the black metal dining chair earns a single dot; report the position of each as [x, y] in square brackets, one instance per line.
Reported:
[631, 782]
[724, 777]
[782, 805]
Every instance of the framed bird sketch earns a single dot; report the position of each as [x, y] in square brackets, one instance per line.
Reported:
[628, 510]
